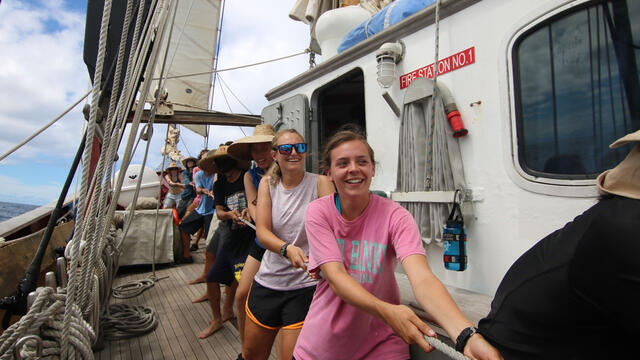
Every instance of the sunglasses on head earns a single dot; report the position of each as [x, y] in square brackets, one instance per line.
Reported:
[287, 149]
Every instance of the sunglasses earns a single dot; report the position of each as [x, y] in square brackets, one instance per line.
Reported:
[287, 149]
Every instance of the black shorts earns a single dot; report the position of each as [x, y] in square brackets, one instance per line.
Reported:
[256, 251]
[192, 223]
[183, 206]
[226, 268]
[275, 309]
[220, 237]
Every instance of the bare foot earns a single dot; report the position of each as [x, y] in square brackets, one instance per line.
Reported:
[227, 316]
[198, 280]
[213, 327]
[202, 298]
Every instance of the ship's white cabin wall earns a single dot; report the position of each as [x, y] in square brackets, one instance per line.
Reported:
[510, 216]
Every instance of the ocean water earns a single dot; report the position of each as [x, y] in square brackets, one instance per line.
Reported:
[9, 210]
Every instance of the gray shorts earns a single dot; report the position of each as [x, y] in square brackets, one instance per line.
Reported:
[220, 237]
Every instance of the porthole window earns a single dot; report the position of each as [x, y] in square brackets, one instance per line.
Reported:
[577, 89]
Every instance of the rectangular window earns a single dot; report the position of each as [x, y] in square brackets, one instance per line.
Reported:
[577, 89]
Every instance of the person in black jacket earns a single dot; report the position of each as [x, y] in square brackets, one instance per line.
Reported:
[576, 293]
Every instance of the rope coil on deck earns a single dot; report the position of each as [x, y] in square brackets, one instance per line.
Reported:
[124, 321]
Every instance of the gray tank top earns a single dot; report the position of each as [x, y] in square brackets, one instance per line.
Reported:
[287, 223]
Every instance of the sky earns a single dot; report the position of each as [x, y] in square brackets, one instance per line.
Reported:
[42, 74]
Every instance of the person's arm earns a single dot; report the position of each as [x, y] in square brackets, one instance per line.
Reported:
[399, 317]
[264, 230]
[325, 186]
[252, 195]
[436, 300]
[181, 181]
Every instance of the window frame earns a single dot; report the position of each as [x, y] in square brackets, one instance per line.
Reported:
[572, 185]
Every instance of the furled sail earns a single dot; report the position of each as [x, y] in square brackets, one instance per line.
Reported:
[191, 50]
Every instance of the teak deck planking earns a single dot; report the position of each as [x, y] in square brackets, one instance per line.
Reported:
[180, 321]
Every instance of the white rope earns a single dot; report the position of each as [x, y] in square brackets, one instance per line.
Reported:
[235, 67]
[39, 131]
[45, 318]
[124, 321]
[79, 228]
[445, 349]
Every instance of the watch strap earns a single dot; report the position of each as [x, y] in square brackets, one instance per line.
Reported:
[283, 249]
[464, 336]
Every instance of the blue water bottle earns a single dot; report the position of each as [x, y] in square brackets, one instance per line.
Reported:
[454, 238]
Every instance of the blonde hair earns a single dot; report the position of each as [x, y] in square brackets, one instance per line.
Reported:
[274, 172]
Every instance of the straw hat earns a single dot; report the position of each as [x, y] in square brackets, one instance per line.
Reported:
[624, 179]
[241, 148]
[173, 165]
[186, 160]
[207, 162]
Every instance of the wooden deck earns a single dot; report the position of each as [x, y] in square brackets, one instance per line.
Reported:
[179, 320]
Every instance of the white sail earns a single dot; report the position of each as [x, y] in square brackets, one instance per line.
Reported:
[191, 50]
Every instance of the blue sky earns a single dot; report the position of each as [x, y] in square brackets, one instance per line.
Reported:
[42, 73]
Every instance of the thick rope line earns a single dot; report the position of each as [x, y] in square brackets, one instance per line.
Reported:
[445, 349]
[96, 223]
[131, 77]
[45, 127]
[78, 234]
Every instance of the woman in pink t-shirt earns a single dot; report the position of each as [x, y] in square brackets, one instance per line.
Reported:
[355, 240]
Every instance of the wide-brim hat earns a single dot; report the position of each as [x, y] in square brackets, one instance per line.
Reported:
[207, 162]
[241, 148]
[624, 179]
[186, 160]
[173, 165]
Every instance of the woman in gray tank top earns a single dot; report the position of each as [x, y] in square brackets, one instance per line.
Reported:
[282, 289]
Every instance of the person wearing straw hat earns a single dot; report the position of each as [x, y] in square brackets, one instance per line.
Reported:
[202, 215]
[189, 192]
[231, 209]
[575, 294]
[173, 180]
[256, 147]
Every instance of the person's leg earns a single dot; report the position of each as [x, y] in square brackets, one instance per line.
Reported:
[251, 267]
[187, 226]
[288, 338]
[229, 295]
[209, 259]
[213, 291]
[257, 342]
[197, 240]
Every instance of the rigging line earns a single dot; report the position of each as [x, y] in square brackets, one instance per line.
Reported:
[235, 67]
[39, 131]
[234, 95]
[225, 98]
[185, 144]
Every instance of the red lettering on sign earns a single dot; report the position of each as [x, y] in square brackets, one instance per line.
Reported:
[448, 64]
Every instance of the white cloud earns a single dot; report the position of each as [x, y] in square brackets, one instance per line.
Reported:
[15, 191]
[42, 72]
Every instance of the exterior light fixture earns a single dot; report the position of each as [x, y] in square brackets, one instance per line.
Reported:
[387, 57]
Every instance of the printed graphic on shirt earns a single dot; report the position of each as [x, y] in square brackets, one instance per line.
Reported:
[364, 260]
[236, 201]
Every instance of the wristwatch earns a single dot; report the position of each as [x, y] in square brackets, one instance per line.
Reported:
[464, 336]
[283, 250]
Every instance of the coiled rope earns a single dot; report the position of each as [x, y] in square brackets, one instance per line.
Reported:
[123, 321]
[45, 318]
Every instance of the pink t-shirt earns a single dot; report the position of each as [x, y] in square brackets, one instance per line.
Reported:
[369, 247]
